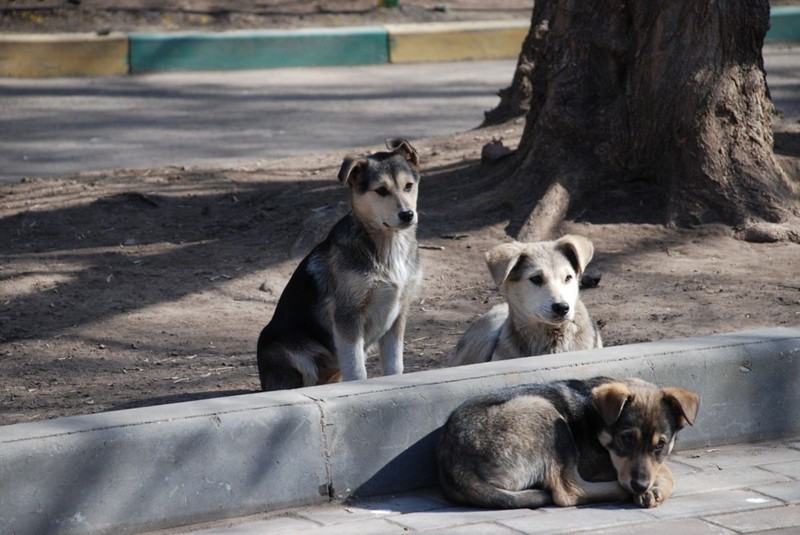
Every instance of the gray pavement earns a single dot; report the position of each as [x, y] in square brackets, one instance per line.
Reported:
[782, 63]
[750, 488]
[62, 126]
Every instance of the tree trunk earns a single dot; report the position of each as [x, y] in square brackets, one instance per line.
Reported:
[515, 100]
[667, 98]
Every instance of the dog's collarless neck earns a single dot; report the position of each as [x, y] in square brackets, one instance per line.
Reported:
[533, 336]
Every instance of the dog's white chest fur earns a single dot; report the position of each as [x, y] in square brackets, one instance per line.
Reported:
[390, 287]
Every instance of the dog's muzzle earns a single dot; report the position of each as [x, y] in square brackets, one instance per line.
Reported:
[406, 216]
[560, 310]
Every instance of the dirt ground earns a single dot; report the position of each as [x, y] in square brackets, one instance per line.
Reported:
[46, 16]
[103, 16]
[131, 288]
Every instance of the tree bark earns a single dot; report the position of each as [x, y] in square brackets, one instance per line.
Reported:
[668, 94]
[515, 100]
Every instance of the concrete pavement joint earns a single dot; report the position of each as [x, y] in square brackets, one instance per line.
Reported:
[325, 451]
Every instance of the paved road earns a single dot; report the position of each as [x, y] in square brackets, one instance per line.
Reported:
[62, 126]
[54, 127]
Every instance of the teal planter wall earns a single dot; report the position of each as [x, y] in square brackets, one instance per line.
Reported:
[257, 49]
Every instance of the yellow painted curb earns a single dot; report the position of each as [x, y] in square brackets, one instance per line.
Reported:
[81, 54]
[456, 41]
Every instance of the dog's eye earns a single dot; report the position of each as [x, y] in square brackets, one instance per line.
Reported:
[382, 191]
[569, 278]
[409, 186]
[627, 441]
[537, 280]
[661, 445]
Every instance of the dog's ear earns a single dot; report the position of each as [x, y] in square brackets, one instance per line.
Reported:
[501, 259]
[351, 169]
[577, 249]
[404, 148]
[609, 399]
[684, 403]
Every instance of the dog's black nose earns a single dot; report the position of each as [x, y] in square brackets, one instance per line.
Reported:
[560, 309]
[638, 487]
[406, 216]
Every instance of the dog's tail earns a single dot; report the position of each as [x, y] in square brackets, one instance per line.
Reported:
[478, 343]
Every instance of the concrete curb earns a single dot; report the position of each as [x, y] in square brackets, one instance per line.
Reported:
[263, 49]
[80, 54]
[157, 467]
[456, 41]
[784, 24]
[38, 56]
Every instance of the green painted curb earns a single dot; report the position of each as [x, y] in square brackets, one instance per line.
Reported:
[784, 24]
[260, 49]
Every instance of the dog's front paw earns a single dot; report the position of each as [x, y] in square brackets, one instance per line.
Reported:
[651, 498]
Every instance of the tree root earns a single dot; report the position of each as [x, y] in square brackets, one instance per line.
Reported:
[765, 232]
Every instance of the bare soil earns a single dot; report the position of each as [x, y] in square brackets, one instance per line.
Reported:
[131, 288]
[48, 16]
[140, 287]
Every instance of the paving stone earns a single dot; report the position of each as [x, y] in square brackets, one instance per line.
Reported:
[412, 502]
[481, 528]
[569, 519]
[791, 469]
[788, 492]
[679, 469]
[715, 480]
[709, 503]
[758, 521]
[738, 456]
[374, 526]
[684, 526]
[459, 516]
[277, 525]
[340, 514]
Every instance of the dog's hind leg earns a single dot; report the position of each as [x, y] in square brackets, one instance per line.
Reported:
[283, 366]
[572, 489]
[282, 378]
[277, 369]
[525, 499]
[464, 486]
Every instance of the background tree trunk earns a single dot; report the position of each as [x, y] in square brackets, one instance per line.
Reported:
[659, 108]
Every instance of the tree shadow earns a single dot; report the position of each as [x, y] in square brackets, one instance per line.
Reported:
[75, 259]
[145, 244]
[178, 398]
[174, 469]
[132, 249]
